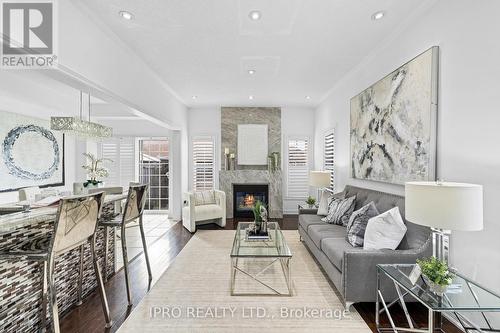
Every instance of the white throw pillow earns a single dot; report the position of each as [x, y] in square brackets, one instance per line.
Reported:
[323, 203]
[385, 231]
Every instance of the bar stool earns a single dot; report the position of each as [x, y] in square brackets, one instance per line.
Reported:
[75, 225]
[134, 209]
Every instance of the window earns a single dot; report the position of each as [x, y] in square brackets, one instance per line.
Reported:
[298, 168]
[154, 167]
[329, 156]
[203, 163]
[122, 152]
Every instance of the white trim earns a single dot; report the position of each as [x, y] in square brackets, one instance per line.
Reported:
[286, 166]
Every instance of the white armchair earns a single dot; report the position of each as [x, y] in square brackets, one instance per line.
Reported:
[203, 207]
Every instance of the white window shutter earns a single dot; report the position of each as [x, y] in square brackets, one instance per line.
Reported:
[329, 156]
[298, 168]
[203, 163]
[122, 153]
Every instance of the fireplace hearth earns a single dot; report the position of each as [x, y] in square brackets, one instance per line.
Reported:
[245, 196]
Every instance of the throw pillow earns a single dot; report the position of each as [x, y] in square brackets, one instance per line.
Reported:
[385, 231]
[357, 224]
[204, 198]
[324, 201]
[340, 210]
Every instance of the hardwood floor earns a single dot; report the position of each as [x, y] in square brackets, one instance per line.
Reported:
[89, 318]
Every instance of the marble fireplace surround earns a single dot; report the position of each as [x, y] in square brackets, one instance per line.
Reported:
[231, 117]
[272, 179]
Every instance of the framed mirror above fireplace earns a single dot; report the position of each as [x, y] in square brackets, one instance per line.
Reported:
[245, 196]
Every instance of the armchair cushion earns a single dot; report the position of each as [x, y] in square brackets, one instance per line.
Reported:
[208, 212]
[204, 198]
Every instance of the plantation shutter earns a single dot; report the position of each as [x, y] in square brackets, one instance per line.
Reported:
[122, 153]
[329, 156]
[298, 168]
[203, 163]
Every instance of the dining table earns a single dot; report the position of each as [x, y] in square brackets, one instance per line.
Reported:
[20, 284]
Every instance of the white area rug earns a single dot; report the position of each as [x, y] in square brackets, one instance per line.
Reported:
[193, 295]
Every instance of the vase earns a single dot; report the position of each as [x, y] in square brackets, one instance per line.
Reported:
[437, 289]
[258, 226]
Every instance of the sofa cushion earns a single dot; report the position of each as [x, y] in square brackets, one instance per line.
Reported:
[320, 232]
[334, 249]
[306, 220]
[207, 212]
[204, 198]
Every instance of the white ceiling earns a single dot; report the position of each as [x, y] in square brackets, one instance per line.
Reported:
[298, 48]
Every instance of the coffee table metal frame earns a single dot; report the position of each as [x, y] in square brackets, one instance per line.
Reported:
[275, 250]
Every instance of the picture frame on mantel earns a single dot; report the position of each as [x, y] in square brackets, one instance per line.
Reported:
[252, 144]
[393, 124]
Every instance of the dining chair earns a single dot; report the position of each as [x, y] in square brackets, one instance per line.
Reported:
[29, 193]
[134, 209]
[75, 226]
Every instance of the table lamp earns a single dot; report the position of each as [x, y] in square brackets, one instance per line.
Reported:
[319, 179]
[444, 206]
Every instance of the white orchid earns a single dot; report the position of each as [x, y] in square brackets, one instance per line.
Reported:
[94, 171]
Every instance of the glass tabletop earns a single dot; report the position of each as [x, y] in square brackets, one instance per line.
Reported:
[462, 294]
[276, 246]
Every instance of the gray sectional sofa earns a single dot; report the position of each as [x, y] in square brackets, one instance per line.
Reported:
[353, 270]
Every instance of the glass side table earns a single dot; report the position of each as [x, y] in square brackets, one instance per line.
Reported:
[305, 209]
[463, 295]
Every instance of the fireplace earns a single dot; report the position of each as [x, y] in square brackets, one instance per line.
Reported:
[245, 196]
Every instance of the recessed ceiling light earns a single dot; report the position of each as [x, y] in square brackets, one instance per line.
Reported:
[251, 71]
[250, 97]
[254, 15]
[378, 15]
[308, 97]
[194, 97]
[126, 15]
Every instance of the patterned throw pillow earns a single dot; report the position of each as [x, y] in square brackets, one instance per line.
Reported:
[357, 224]
[325, 199]
[340, 210]
[204, 198]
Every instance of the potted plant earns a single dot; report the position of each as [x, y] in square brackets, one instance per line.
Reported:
[256, 214]
[436, 274]
[95, 172]
[311, 201]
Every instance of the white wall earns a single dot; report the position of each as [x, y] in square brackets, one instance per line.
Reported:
[205, 121]
[468, 135]
[296, 122]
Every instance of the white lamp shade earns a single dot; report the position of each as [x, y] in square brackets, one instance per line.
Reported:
[444, 205]
[319, 178]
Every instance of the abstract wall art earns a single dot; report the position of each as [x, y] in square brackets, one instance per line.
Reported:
[31, 154]
[393, 124]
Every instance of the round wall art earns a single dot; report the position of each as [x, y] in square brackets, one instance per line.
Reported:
[23, 158]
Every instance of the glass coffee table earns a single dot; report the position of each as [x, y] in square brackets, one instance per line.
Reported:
[266, 262]
[462, 296]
